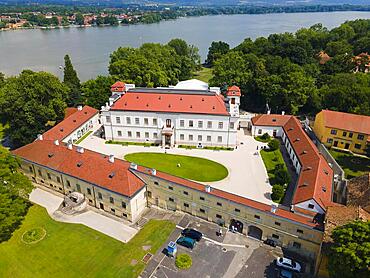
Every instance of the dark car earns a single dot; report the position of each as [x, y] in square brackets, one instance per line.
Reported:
[186, 242]
[194, 234]
[270, 242]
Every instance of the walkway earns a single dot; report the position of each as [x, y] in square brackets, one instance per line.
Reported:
[247, 173]
[91, 219]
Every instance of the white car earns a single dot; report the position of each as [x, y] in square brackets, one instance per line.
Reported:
[288, 264]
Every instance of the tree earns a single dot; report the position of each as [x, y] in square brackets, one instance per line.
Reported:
[338, 48]
[30, 103]
[79, 19]
[72, 81]
[215, 51]
[277, 192]
[96, 92]
[281, 175]
[2, 79]
[350, 253]
[274, 144]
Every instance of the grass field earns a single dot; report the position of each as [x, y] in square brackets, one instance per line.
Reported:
[205, 74]
[271, 159]
[74, 250]
[353, 166]
[194, 168]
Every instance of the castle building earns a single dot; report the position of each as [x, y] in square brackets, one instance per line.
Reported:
[189, 113]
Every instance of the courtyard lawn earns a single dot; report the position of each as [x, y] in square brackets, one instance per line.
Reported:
[271, 159]
[205, 74]
[83, 137]
[352, 165]
[74, 250]
[193, 168]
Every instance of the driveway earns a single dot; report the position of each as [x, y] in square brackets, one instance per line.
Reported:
[247, 173]
[89, 218]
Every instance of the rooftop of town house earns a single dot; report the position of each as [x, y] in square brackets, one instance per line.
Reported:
[346, 121]
[233, 91]
[70, 123]
[87, 165]
[316, 177]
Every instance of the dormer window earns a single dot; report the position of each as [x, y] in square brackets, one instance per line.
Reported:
[79, 164]
[111, 175]
[274, 120]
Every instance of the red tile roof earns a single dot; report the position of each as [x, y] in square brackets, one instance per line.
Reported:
[232, 197]
[94, 167]
[171, 103]
[69, 124]
[69, 111]
[118, 87]
[233, 91]
[316, 177]
[346, 121]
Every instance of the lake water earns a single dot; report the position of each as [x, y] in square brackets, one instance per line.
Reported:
[89, 48]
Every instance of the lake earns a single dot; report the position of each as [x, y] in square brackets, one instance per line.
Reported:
[89, 48]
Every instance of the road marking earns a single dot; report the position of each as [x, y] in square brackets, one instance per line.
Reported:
[154, 271]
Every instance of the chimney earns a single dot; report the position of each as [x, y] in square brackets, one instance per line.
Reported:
[273, 208]
[56, 142]
[40, 137]
[106, 105]
[69, 146]
[80, 150]
[282, 112]
[133, 166]
[111, 158]
[79, 107]
[208, 188]
[268, 112]
[153, 171]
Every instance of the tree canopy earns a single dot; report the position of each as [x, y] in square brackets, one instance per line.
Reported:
[96, 92]
[350, 253]
[215, 51]
[72, 81]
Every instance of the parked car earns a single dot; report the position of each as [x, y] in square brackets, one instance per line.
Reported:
[288, 264]
[186, 242]
[270, 242]
[283, 273]
[194, 234]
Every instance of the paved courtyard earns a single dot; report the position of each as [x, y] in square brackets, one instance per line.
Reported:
[106, 225]
[247, 173]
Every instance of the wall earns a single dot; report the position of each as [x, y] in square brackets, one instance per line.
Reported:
[260, 130]
[85, 127]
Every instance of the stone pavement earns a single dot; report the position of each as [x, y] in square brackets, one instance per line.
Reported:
[247, 173]
[94, 220]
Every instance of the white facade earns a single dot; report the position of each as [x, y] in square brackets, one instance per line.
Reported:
[311, 205]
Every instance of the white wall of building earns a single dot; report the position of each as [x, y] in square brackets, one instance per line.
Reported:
[80, 131]
[260, 130]
[310, 205]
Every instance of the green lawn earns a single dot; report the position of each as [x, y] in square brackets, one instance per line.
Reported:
[353, 166]
[74, 250]
[260, 139]
[205, 74]
[83, 137]
[271, 159]
[194, 168]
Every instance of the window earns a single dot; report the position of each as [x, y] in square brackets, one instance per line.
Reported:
[124, 215]
[358, 146]
[186, 205]
[231, 125]
[209, 124]
[118, 120]
[186, 193]
[107, 119]
[219, 216]
[360, 137]
[128, 120]
[170, 188]
[209, 138]
[257, 216]
[344, 133]
[49, 176]
[182, 123]
[296, 245]
[123, 205]
[201, 198]
[237, 210]
[58, 179]
[149, 194]
[311, 206]
[260, 131]
[219, 204]
[111, 200]
[190, 137]
[333, 131]
[191, 124]
[156, 183]
[219, 139]
[146, 134]
[277, 223]
[154, 122]
[146, 121]
[155, 135]
[129, 134]
[199, 137]
[329, 141]
[78, 187]
[168, 123]
[68, 184]
[119, 133]
[182, 137]
[113, 210]
[202, 210]
[30, 168]
[171, 199]
[275, 236]
[350, 135]
[299, 231]
[200, 124]
[137, 134]
[137, 121]
[89, 191]
[220, 125]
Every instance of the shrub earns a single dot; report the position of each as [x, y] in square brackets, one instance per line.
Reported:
[277, 192]
[183, 261]
[274, 144]
[281, 174]
[265, 136]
